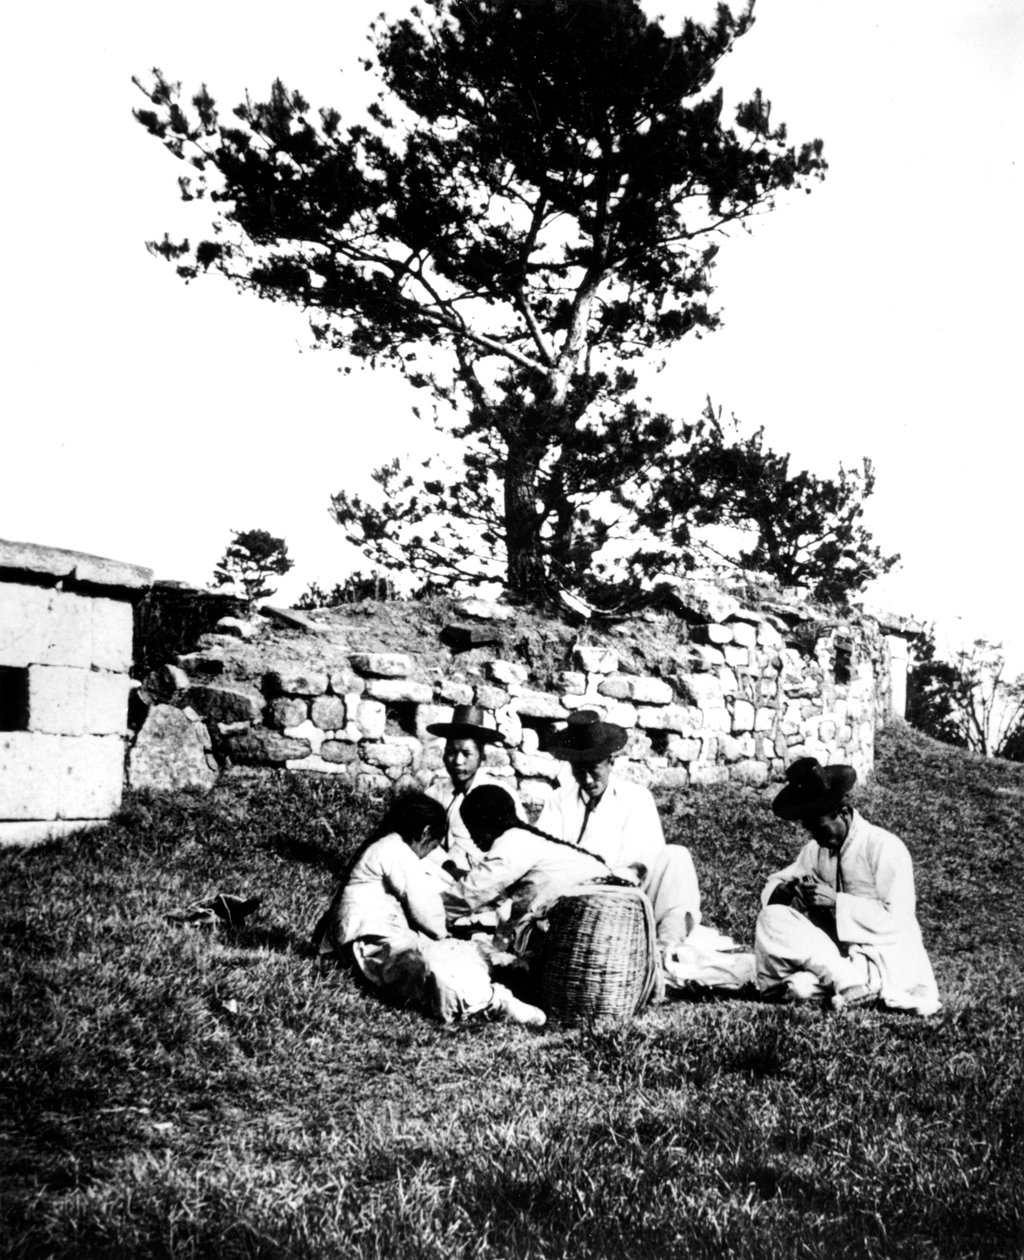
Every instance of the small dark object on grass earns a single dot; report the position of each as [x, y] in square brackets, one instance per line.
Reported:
[224, 908]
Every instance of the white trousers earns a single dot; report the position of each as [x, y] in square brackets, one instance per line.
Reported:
[693, 955]
[450, 977]
[792, 953]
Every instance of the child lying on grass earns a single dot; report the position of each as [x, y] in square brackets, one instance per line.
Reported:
[388, 919]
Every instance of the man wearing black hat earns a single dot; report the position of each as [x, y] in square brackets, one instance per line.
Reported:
[841, 920]
[466, 738]
[618, 821]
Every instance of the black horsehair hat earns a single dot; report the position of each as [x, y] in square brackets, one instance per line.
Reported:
[813, 789]
[467, 723]
[587, 738]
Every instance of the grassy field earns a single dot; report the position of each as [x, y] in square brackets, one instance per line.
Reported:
[180, 1091]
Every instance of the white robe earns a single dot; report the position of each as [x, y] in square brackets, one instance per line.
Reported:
[623, 827]
[879, 937]
[528, 870]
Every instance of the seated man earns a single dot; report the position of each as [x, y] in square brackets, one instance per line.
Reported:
[466, 738]
[618, 821]
[840, 921]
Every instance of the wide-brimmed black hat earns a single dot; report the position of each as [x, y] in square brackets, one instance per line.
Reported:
[467, 723]
[587, 738]
[813, 789]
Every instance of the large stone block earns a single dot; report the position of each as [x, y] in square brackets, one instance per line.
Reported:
[507, 673]
[708, 776]
[170, 753]
[31, 767]
[382, 664]
[680, 749]
[640, 689]
[44, 627]
[737, 657]
[338, 753]
[670, 717]
[453, 691]
[313, 735]
[111, 639]
[345, 681]
[431, 715]
[93, 774]
[492, 698]
[616, 687]
[386, 756]
[716, 719]
[328, 713]
[537, 704]
[259, 746]
[315, 764]
[398, 691]
[743, 716]
[765, 719]
[56, 700]
[752, 773]
[225, 704]
[288, 681]
[287, 711]
[672, 778]
[510, 726]
[701, 690]
[596, 660]
[372, 781]
[372, 718]
[572, 682]
[484, 610]
[622, 714]
[743, 633]
[536, 766]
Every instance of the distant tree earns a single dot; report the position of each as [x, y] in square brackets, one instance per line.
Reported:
[968, 701]
[933, 686]
[251, 557]
[533, 207]
[356, 588]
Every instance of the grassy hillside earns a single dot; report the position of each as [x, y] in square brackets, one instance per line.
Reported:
[176, 1091]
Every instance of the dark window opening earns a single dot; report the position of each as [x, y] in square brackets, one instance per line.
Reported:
[843, 668]
[401, 717]
[543, 726]
[13, 698]
[659, 743]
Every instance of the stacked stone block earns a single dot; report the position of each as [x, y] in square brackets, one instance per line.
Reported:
[737, 701]
[65, 655]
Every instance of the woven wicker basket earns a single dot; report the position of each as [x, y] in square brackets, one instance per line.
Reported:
[600, 960]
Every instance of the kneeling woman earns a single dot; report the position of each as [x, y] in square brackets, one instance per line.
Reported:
[388, 919]
[522, 864]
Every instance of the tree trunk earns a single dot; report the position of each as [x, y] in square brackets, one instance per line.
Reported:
[527, 571]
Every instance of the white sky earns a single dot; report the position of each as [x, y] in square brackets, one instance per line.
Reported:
[878, 316]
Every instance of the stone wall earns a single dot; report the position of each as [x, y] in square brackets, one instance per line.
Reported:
[736, 696]
[65, 656]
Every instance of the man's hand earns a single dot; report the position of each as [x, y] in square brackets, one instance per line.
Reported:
[816, 893]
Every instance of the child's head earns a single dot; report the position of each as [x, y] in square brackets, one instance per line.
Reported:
[418, 819]
[488, 811]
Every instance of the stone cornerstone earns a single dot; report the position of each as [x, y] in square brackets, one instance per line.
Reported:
[65, 656]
